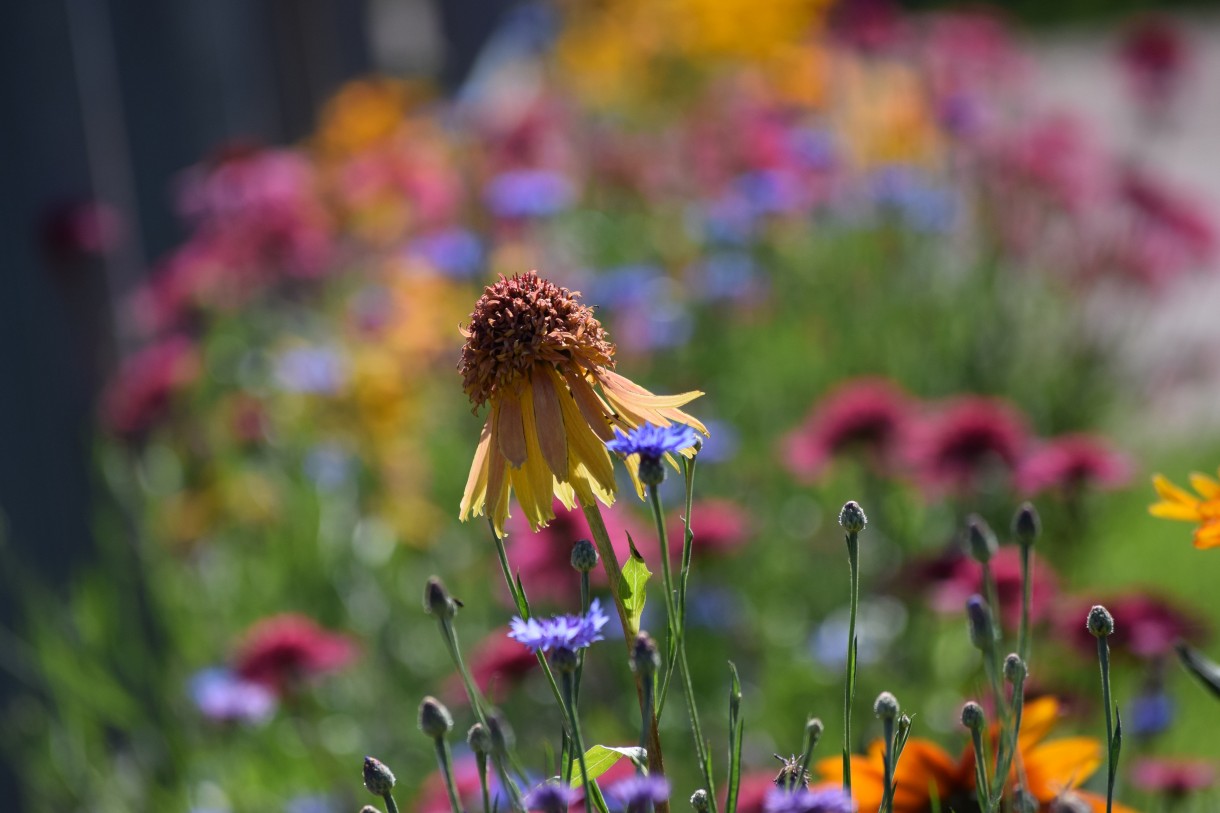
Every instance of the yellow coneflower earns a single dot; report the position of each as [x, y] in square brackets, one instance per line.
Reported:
[1178, 503]
[535, 353]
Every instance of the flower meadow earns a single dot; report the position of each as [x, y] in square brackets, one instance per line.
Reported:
[752, 401]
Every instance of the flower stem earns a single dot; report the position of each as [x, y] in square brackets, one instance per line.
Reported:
[569, 696]
[983, 790]
[442, 757]
[390, 805]
[614, 575]
[481, 762]
[1027, 597]
[1112, 742]
[678, 648]
[849, 687]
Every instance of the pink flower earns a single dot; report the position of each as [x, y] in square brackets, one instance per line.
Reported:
[1155, 56]
[497, 664]
[1071, 463]
[1145, 625]
[282, 650]
[1169, 233]
[719, 526]
[968, 438]
[1172, 777]
[141, 391]
[954, 578]
[868, 415]
[543, 558]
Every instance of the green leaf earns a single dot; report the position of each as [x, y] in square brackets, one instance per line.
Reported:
[601, 758]
[632, 588]
[1206, 671]
[735, 734]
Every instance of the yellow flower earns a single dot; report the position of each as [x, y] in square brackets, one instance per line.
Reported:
[1178, 503]
[535, 353]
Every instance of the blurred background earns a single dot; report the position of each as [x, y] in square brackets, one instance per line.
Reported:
[239, 238]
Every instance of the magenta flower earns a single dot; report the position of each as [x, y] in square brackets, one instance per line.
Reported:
[951, 580]
[281, 651]
[497, 664]
[1145, 625]
[1173, 777]
[1155, 57]
[870, 416]
[1071, 463]
[719, 526]
[141, 392]
[970, 437]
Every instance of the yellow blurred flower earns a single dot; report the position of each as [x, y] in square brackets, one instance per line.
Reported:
[535, 353]
[1178, 503]
[365, 112]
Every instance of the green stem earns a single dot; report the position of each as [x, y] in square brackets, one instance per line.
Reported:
[390, 806]
[679, 648]
[983, 791]
[1004, 760]
[481, 761]
[849, 687]
[614, 575]
[1027, 593]
[442, 757]
[673, 625]
[1103, 656]
[569, 696]
[887, 794]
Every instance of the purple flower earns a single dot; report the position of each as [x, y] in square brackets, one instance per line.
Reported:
[526, 193]
[318, 370]
[825, 800]
[551, 798]
[562, 631]
[223, 696]
[456, 252]
[651, 442]
[640, 792]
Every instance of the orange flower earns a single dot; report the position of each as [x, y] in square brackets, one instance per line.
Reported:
[1178, 503]
[535, 353]
[1051, 769]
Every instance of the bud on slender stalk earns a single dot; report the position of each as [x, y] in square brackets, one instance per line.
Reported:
[645, 659]
[852, 517]
[584, 556]
[478, 739]
[434, 719]
[1015, 670]
[973, 717]
[1100, 623]
[983, 543]
[437, 600]
[1026, 525]
[886, 706]
[699, 801]
[982, 629]
[377, 777]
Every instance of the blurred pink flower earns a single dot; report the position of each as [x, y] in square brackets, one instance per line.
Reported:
[543, 558]
[965, 439]
[1145, 625]
[1070, 463]
[1155, 56]
[719, 526]
[952, 579]
[83, 229]
[1169, 233]
[280, 651]
[141, 390]
[867, 415]
[1172, 777]
[497, 664]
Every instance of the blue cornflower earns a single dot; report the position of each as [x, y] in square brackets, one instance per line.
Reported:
[651, 442]
[640, 792]
[825, 800]
[551, 798]
[563, 631]
[1149, 713]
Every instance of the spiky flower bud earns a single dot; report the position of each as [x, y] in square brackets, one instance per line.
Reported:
[377, 777]
[886, 706]
[1026, 525]
[699, 801]
[437, 600]
[645, 659]
[792, 774]
[813, 731]
[983, 544]
[982, 629]
[904, 726]
[434, 719]
[652, 471]
[852, 518]
[973, 717]
[500, 731]
[584, 555]
[478, 739]
[1015, 670]
[1100, 622]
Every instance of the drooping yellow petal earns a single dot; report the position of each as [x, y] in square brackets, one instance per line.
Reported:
[475, 493]
[509, 429]
[587, 454]
[1208, 535]
[1174, 510]
[591, 406]
[548, 422]
[1055, 766]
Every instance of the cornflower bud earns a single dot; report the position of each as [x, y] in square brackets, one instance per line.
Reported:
[982, 631]
[584, 555]
[904, 726]
[434, 719]
[652, 470]
[1015, 670]
[813, 730]
[1026, 525]
[478, 739]
[699, 801]
[1100, 623]
[886, 706]
[437, 600]
[500, 731]
[645, 659]
[983, 544]
[377, 777]
[852, 517]
[973, 717]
